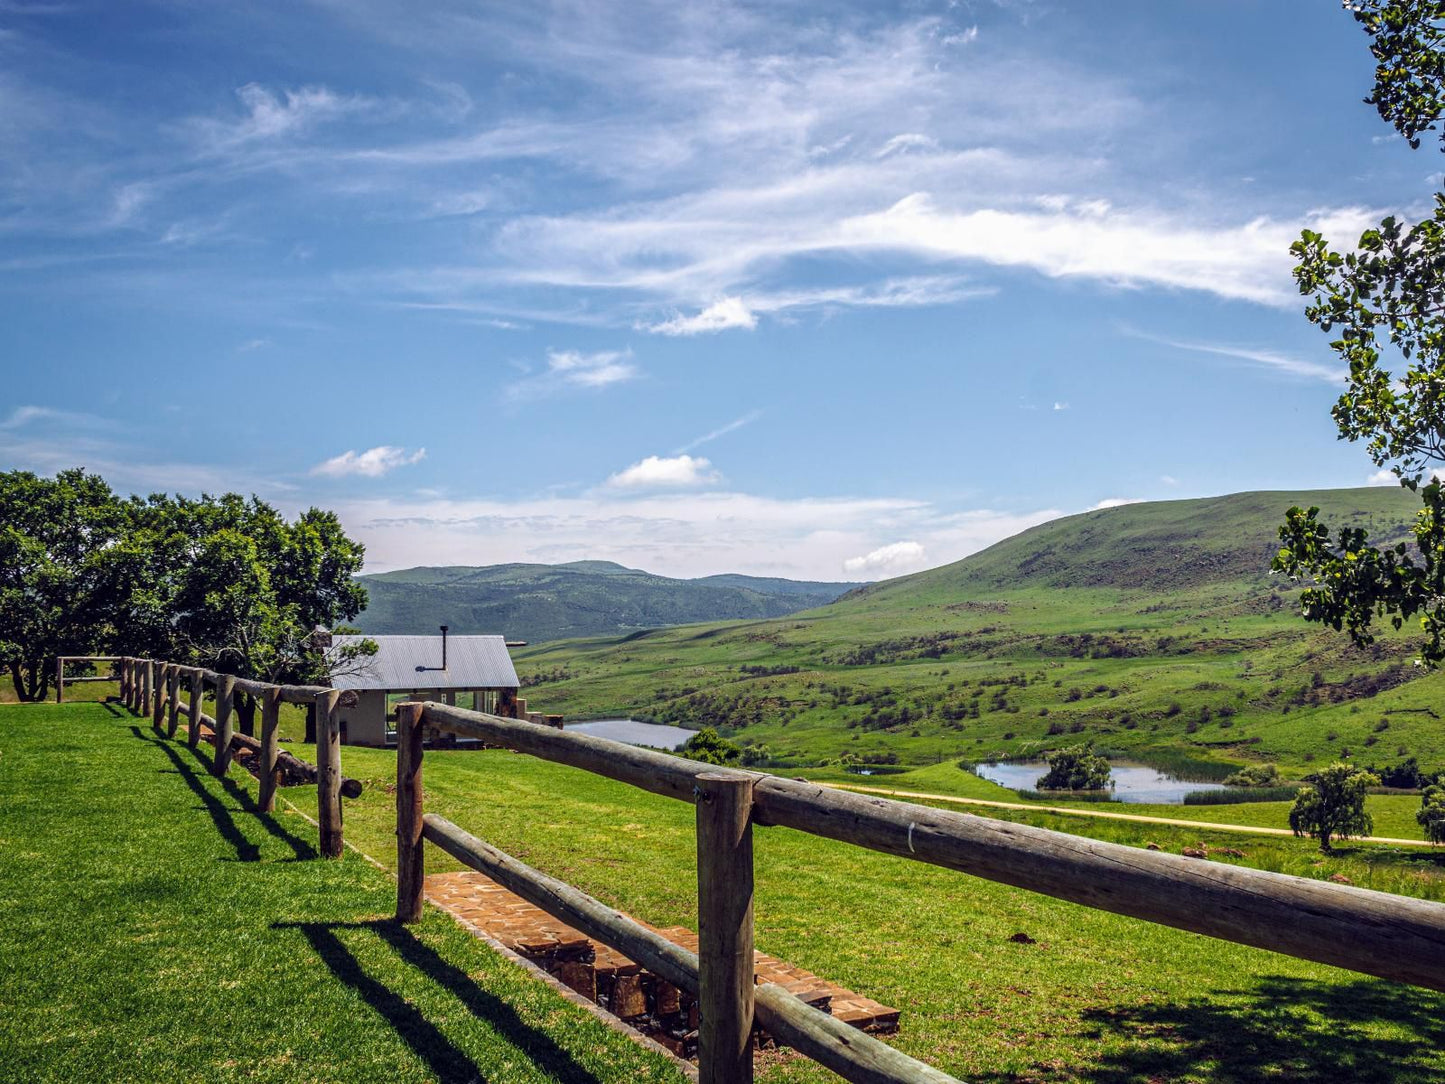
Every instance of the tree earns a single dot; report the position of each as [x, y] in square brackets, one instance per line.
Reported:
[1385, 302]
[1431, 816]
[1075, 768]
[1333, 805]
[709, 748]
[223, 582]
[56, 594]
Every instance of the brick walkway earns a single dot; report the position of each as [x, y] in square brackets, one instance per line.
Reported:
[654, 1007]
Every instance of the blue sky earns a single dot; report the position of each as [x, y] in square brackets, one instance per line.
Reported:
[820, 290]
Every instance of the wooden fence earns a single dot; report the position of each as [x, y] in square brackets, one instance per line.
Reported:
[151, 687]
[1392, 937]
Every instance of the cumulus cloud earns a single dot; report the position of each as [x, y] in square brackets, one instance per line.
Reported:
[1114, 502]
[665, 472]
[1383, 478]
[372, 463]
[889, 560]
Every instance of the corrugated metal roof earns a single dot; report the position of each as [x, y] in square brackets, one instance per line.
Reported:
[472, 662]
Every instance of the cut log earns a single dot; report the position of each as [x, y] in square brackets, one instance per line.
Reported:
[292, 768]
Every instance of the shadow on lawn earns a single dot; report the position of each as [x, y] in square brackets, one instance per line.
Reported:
[246, 851]
[443, 1057]
[1282, 1029]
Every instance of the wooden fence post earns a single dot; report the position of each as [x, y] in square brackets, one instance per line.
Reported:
[143, 707]
[173, 698]
[410, 864]
[725, 928]
[270, 746]
[328, 773]
[225, 686]
[162, 672]
[129, 698]
[60, 679]
[198, 697]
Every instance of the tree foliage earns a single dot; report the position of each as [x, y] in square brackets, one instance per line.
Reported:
[707, 746]
[1075, 768]
[1384, 303]
[56, 588]
[224, 582]
[1333, 805]
[1431, 815]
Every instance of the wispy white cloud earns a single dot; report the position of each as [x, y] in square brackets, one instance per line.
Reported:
[908, 141]
[1115, 502]
[727, 313]
[1059, 405]
[665, 472]
[721, 431]
[372, 463]
[576, 369]
[1270, 359]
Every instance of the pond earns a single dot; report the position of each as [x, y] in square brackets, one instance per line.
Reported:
[632, 732]
[1133, 782]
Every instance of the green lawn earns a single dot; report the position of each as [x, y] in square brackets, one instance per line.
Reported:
[1096, 997]
[156, 927]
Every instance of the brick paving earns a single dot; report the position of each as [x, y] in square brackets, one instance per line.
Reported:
[603, 974]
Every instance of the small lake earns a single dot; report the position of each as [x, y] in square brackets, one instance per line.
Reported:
[1133, 782]
[655, 735]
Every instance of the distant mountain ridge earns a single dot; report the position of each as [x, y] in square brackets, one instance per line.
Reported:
[536, 602]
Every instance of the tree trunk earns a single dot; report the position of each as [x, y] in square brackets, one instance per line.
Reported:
[18, 680]
[246, 714]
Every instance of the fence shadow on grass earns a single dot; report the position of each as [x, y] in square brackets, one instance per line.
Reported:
[1284, 1028]
[443, 1057]
[246, 851]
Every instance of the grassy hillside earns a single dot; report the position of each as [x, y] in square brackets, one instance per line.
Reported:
[585, 598]
[1153, 629]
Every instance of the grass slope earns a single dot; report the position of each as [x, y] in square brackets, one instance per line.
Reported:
[1152, 629]
[585, 598]
[156, 927]
[1096, 997]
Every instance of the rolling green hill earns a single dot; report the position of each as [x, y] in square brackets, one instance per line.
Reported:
[1153, 629]
[584, 598]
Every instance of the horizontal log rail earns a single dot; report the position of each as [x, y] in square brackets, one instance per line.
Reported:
[61, 681]
[852, 1054]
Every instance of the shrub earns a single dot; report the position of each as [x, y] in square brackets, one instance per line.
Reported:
[1256, 775]
[1432, 813]
[1076, 768]
[707, 747]
[1333, 805]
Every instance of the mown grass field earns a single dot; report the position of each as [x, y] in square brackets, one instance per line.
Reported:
[156, 927]
[1096, 997]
